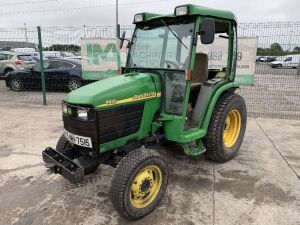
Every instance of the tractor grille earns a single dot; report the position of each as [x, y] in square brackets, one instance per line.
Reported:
[82, 128]
[119, 122]
[106, 125]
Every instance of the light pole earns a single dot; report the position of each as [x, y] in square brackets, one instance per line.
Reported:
[25, 28]
[84, 31]
[117, 19]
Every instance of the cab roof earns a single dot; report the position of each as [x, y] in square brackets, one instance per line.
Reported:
[194, 10]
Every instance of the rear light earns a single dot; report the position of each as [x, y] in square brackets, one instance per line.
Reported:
[18, 62]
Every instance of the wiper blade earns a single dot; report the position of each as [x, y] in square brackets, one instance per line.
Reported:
[173, 33]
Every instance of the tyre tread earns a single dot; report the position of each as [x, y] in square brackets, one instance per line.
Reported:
[122, 174]
[212, 140]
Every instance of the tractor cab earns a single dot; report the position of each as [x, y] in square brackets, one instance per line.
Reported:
[178, 49]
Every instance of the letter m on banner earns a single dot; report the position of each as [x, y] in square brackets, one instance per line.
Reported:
[101, 58]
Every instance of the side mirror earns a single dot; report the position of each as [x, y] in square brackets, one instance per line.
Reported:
[207, 31]
[122, 38]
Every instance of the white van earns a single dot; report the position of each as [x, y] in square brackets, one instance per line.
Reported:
[290, 61]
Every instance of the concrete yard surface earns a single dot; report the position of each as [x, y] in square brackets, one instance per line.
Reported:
[260, 186]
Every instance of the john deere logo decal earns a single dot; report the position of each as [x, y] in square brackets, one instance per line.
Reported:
[135, 98]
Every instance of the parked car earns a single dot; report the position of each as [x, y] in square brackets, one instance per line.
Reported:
[11, 61]
[60, 74]
[290, 61]
[262, 59]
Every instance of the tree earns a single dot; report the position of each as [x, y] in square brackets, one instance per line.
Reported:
[274, 50]
[66, 48]
[296, 50]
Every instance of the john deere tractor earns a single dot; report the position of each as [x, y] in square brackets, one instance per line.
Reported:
[170, 90]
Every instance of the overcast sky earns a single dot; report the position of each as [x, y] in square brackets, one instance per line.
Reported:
[14, 13]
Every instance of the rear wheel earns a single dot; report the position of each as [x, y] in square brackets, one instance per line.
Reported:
[64, 144]
[74, 84]
[139, 183]
[16, 84]
[227, 128]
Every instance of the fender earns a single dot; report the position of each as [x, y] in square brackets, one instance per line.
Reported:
[212, 103]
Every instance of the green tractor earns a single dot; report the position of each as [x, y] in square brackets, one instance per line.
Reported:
[168, 91]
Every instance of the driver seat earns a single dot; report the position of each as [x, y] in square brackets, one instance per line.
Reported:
[200, 73]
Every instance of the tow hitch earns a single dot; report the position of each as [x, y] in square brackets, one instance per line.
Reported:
[74, 162]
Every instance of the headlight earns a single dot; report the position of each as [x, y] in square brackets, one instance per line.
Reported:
[65, 108]
[181, 11]
[139, 18]
[82, 114]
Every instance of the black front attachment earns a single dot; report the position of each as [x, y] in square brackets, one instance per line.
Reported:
[63, 165]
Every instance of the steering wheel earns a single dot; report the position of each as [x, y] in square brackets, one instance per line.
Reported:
[174, 64]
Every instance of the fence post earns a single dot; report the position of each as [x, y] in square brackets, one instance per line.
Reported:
[299, 68]
[42, 65]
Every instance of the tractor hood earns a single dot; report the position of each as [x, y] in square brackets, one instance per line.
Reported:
[118, 90]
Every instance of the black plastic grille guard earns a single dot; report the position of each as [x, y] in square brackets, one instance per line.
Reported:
[63, 165]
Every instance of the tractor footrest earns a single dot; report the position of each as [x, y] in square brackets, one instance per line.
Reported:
[64, 166]
[196, 150]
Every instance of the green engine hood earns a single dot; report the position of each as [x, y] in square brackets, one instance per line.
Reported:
[118, 90]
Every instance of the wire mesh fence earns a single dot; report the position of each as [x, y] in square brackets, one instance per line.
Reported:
[275, 92]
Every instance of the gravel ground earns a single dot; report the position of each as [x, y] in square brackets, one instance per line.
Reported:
[260, 186]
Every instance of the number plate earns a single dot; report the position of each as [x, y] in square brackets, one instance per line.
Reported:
[78, 140]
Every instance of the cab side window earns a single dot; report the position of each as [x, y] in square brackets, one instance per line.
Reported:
[53, 65]
[217, 52]
[288, 59]
[3, 57]
[65, 65]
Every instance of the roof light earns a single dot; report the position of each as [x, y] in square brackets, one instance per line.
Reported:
[139, 18]
[181, 11]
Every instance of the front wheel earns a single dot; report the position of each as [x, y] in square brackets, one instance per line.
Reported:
[139, 183]
[16, 84]
[227, 128]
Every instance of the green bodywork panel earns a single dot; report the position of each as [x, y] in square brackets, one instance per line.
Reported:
[194, 10]
[122, 90]
[118, 90]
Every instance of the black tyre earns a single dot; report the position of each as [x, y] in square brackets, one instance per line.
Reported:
[139, 183]
[64, 144]
[74, 84]
[16, 84]
[279, 66]
[227, 128]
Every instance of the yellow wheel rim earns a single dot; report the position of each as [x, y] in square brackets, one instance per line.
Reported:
[232, 128]
[145, 186]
